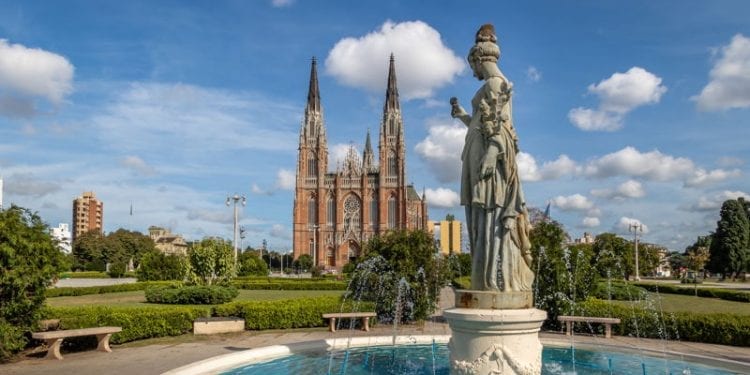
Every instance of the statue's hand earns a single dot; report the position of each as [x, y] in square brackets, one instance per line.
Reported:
[456, 109]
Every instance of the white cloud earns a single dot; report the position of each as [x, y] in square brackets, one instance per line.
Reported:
[533, 74]
[575, 202]
[201, 120]
[618, 94]
[628, 189]
[280, 231]
[337, 154]
[713, 203]
[363, 61]
[442, 197]
[652, 165]
[30, 73]
[701, 177]
[624, 224]
[590, 222]
[550, 170]
[281, 3]
[138, 165]
[441, 150]
[285, 179]
[730, 78]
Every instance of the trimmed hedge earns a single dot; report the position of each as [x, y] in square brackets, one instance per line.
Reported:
[84, 275]
[277, 284]
[82, 291]
[724, 329]
[292, 313]
[725, 294]
[137, 322]
[190, 295]
[619, 291]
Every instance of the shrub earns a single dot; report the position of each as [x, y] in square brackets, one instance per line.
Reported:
[117, 269]
[252, 265]
[724, 329]
[619, 291]
[82, 291]
[159, 266]
[211, 261]
[292, 285]
[29, 260]
[284, 314]
[190, 295]
[11, 339]
[137, 322]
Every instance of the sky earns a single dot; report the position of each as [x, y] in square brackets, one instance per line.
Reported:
[626, 114]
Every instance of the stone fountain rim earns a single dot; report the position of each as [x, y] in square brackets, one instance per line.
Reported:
[225, 362]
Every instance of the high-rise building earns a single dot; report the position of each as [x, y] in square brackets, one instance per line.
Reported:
[88, 214]
[448, 235]
[336, 212]
[62, 236]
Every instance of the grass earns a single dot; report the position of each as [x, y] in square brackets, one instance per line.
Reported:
[677, 302]
[137, 298]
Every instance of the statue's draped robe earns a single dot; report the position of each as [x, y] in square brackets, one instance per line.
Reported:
[496, 216]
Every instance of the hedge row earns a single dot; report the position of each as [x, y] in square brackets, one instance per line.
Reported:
[190, 295]
[137, 322]
[725, 294]
[284, 314]
[275, 284]
[81, 291]
[724, 329]
[619, 291]
[91, 275]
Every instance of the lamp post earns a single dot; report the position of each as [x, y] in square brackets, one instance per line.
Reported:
[315, 245]
[242, 200]
[636, 228]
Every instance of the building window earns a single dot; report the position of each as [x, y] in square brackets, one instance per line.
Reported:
[312, 211]
[374, 212]
[312, 165]
[391, 163]
[392, 212]
[331, 211]
[352, 213]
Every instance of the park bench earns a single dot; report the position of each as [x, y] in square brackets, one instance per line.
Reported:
[569, 320]
[54, 338]
[351, 315]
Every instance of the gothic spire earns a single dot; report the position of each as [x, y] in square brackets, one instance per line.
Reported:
[391, 93]
[368, 144]
[313, 94]
[367, 155]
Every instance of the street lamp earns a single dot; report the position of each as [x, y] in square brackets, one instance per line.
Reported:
[236, 199]
[636, 227]
[315, 245]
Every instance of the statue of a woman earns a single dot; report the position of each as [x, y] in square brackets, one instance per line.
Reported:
[496, 215]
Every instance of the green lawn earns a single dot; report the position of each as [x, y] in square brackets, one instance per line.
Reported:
[137, 298]
[678, 302]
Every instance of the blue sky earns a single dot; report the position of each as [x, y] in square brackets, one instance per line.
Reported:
[625, 113]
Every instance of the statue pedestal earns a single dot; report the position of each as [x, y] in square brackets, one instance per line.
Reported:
[495, 341]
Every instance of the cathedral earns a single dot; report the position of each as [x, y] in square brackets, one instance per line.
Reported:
[335, 213]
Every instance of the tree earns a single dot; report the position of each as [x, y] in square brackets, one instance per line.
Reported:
[729, 247]
[88, 251]
[156, 266]
[250, 264]
[697, 254]
[211, 261]
[460, 264]
[131, 245]
[401, 272]
[564, 274]
[613, 256]
[303, 263]
[649, 258]
[29, 262]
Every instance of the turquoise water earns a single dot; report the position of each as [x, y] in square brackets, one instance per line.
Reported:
[418, 359]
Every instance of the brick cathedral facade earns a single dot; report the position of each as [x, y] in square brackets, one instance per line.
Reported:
[335, 213]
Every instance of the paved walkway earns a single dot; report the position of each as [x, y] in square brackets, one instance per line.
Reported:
[158, 355]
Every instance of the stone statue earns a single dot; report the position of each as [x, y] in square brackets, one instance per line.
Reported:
[496, 215]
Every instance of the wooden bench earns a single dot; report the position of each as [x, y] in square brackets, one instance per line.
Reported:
[569, 319]
[54, 338]
[352, 315]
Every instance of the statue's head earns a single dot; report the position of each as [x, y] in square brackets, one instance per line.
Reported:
[485, 49]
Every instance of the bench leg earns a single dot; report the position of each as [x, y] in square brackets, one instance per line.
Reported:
[103, 340]
[607, 330]
[366, 323]
[568, 328]
[332, 325]
[53, 351]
